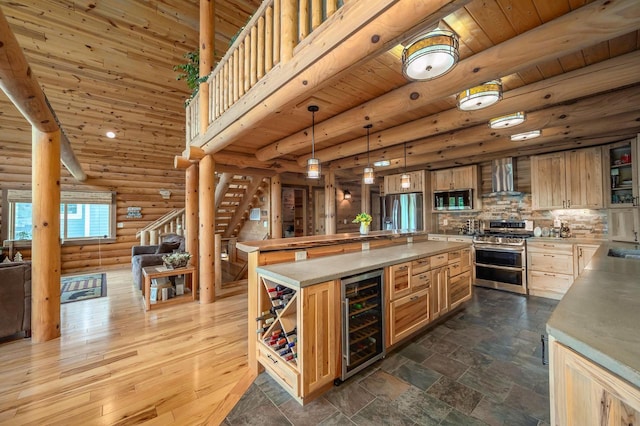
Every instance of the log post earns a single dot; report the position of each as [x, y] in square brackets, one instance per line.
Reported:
[330, 202]
[276, 207]
[144, 238]
[45, 254]
[289, 29]
[206, 201]
[217, 253]
[153, 237]
[207, 31]
[190, 222]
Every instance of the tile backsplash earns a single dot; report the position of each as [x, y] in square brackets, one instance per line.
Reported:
[583, 223]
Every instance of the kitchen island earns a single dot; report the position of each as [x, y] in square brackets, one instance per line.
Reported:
[594, 344]
[296, 308]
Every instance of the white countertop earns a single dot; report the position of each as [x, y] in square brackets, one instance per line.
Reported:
[599, 316]
[313, 271]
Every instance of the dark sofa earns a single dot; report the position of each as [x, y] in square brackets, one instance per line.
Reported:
[15, 298]
[143, 256]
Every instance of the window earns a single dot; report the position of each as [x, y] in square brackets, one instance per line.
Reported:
[83, 215]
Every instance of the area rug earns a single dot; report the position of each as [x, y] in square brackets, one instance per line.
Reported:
[83, 287]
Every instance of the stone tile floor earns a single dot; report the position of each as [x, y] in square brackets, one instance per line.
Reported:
[481, 366]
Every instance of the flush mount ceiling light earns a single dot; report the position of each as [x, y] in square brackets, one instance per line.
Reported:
[110, 134]
[481, 96]
[368, 177]
[430, 55]
[347, 194]
[526, 135]
[405, 179]
[313, 164]
[509, 120]
[382, 163]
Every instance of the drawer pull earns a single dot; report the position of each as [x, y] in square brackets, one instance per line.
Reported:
[549, 275]
[402, 268]
[423, 277]
[275, 361]
[548, 255]
[414, 298]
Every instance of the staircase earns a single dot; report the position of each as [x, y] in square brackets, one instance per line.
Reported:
[170, 223]
[236, 195]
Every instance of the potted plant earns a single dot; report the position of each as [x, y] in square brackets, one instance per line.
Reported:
[190, 72]
[176, 260]
[364, 219]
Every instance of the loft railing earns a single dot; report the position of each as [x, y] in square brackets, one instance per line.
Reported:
[270, 38]
[172, 222]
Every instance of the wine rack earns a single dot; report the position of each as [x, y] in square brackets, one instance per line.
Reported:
[277, 323]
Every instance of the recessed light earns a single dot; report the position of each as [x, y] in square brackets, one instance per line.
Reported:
[111, 134]
[526, 135]
[382, 163]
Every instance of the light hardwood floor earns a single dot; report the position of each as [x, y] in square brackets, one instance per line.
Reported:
[115, 364]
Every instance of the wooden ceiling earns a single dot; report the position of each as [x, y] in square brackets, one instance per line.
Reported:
[107, 65]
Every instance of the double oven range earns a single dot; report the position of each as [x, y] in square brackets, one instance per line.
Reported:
[501, 256]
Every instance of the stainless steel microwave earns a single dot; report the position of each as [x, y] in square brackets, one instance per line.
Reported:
[453, 200]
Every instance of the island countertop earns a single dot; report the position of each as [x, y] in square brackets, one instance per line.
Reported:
[600, 314]
[313, 271]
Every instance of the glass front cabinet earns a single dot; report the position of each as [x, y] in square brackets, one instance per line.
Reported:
[622, 160]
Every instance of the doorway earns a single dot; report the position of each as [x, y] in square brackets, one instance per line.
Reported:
[294, 212]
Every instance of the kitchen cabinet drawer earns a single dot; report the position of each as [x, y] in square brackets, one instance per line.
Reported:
[408, 315]
[551, 262]
[549, 284]
[439, 260]
[420, 265]
[550, 247]
[399, 284]
[459, 289]
[454, 256]
[455, 268]
[420, 281]
[277, 368]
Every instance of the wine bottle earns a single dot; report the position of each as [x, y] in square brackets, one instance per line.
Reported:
[265, 316]
[291, 332]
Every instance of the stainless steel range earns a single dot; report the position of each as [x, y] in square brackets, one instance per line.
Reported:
[500, 256]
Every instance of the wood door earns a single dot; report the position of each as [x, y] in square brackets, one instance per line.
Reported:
[441, 180]
[586, 394]
[459, 289]
[392, 184]
[584, 178]
[584, 254]
[399, 284]
[439, 292]
[320, 336]
[548, 187]
[408, 314]
[551, 262]
[623, 169]
[462, 177]
[624, 224]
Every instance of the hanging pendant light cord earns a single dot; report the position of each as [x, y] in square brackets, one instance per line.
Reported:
[368, 162]
[405, 158]
[313, 134]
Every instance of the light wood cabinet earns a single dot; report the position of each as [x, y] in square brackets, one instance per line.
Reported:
[584, 253]
[439, 292]
[459, 277]
[584, 393]
[624, 224]
[622, 163]
[392, 183]
[399, 284]
[454, 178]
[550, 268]
[304, 357]
[567, 180]
[408, 314]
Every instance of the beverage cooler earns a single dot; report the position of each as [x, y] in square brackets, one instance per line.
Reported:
[362, 321]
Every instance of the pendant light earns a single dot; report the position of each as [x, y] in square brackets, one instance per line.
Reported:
[313, 164]
[509, 120]
[480, 97]
[430, 55]
[367, 176]
[405, 179]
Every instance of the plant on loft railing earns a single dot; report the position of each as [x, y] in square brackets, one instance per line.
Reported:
[190, 73]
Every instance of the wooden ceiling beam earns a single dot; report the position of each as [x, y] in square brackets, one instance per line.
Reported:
[584, 110]
[21, 87]
[566, 34]
[621, 71]
[247, 161]
[343, 46]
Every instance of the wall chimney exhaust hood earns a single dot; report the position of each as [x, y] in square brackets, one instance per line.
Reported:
[503, 172]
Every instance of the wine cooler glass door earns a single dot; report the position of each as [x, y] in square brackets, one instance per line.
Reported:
[362, 307]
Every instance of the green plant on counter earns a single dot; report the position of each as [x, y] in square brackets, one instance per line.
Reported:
[363, 218]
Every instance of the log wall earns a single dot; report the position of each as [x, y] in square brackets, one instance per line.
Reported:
[136, 177]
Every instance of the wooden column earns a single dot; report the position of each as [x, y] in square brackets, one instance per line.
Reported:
[206, 201]
[191, 223]
[289, 29]
[365, 200]
[45, 253]
[207, 47]
[330, 201]
[276, 207]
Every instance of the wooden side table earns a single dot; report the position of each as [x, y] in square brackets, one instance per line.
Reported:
[190, 284]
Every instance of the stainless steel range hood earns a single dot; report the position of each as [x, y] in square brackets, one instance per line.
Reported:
[503, 173]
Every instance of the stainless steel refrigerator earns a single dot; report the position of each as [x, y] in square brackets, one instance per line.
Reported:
[402, 211]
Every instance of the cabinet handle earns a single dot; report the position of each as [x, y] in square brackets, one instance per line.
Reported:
[275, 361]
[564, 204]
[543, 340]
[548, 255]
[568, 204]
[580, 252]
[549, 275]
[402, 268]
[414, 298]
[422, 277]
